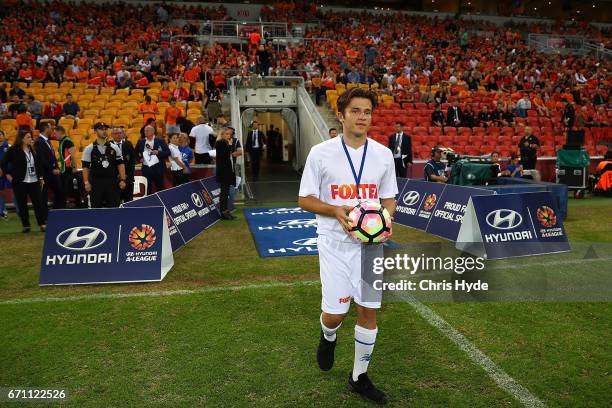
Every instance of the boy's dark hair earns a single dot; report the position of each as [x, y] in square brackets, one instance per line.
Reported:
[345, 99]
[60, 129]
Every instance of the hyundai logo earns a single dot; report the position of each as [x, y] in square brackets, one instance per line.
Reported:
[411, 198]
[504, 219]
[81, 238]
[197, 200]
[299, 222]
[306, 242]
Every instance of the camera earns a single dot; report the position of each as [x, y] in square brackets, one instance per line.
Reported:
[469, 170]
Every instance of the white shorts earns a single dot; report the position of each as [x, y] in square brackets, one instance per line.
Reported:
[341, 276]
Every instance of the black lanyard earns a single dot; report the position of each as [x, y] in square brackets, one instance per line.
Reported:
[355, 175]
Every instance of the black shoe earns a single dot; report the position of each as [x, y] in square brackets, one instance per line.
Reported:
[325, 353]
[25, 229]
[364, 387]
[226, 217]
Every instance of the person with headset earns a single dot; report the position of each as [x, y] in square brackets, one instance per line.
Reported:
[435, 170]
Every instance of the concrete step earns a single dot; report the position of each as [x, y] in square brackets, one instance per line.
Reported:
[329, 117]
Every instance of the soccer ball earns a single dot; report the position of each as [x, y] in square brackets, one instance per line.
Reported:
[371, 222]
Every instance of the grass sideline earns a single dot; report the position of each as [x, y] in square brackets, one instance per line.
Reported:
[254, 347]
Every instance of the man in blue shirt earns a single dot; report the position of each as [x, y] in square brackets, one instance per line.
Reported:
[435, 170]
[71, 108]
[353, 76]
[186, 152]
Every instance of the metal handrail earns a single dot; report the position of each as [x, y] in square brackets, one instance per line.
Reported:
[256, 81]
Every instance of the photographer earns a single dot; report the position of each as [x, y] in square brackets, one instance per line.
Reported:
[435, 170]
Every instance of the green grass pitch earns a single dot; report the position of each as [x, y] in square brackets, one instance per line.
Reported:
[247, 334]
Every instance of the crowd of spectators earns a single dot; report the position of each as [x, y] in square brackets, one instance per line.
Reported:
[410, 59]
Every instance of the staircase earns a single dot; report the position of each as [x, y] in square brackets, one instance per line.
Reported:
[329, 117]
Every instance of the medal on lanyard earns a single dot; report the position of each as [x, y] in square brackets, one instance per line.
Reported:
[356, 176]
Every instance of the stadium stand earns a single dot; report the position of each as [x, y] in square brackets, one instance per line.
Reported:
[131, 51]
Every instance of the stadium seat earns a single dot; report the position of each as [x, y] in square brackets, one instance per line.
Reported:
[66, 123]
[451, 131]
[464, 131]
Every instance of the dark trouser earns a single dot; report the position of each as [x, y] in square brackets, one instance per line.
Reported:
[59, 199]
[178, 178]
[255, 161]
[22, 191]
[127, 194]
[154, 177]
[71, 188]
[203, 158]
[223, 198]
[400, 170]
[105, 192]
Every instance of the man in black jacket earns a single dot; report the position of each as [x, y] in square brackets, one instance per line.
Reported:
[152, 153]
[437, 117]
[255, 143]
[569, 115]
[454, 116]
[50, 168]
[598, 99]
[224, 170]
[528, 146]
[401, 146]
[129, 161]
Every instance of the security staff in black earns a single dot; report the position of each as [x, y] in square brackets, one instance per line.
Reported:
[435, 170]
[103, 170]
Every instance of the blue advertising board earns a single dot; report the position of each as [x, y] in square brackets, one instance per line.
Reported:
[215, 191]
[282, 231]
[417, 202]
[153, 200]
[190, 209]
[110, 245]
[445, 220]
[510, 225]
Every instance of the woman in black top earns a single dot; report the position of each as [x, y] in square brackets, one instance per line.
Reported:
[21, 166]
[224, 169]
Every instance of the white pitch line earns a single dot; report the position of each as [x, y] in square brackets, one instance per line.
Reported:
[501, 378]
[156, 293]
[496, 373]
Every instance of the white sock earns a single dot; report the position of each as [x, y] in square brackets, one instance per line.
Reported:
[329, 334]
[364, 346]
